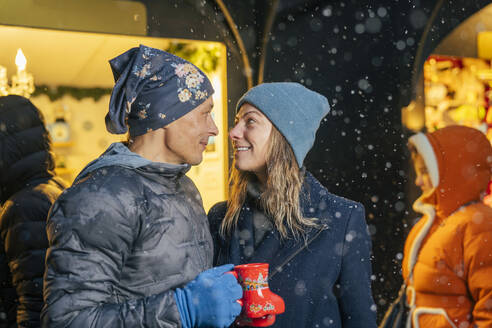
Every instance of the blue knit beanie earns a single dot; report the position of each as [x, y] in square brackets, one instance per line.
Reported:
[293, 109]
[153, 89]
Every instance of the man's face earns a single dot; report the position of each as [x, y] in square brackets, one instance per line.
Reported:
[186, 138]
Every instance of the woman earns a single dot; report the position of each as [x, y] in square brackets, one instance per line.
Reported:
[447, 262]
[315, 242]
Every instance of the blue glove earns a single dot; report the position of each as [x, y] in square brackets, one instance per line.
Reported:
[210, 299]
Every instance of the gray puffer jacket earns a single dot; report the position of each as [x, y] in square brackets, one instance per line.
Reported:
[122, 238]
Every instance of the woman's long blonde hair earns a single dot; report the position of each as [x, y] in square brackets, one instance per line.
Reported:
[279, 198]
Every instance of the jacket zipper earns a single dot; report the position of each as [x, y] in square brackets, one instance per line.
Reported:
[279, 268]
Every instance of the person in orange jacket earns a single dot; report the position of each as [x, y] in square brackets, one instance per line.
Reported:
[447, 262]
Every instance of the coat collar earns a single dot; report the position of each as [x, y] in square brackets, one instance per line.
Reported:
[272, 249]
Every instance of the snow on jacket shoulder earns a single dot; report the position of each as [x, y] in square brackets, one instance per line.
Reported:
[121, 239]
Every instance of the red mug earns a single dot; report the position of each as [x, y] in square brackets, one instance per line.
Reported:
[260, 304]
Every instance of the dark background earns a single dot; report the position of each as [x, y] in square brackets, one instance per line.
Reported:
[365, 57]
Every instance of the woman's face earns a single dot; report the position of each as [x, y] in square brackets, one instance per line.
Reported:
[422, 178]
[250, 137]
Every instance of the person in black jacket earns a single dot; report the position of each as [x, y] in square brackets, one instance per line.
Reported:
[28, 188]
[129, 241]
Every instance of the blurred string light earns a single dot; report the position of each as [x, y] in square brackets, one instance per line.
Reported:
[22, 81]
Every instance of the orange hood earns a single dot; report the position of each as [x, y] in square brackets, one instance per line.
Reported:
[459, 161]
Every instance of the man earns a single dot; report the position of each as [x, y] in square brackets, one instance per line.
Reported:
[28, 188]
[131, 233]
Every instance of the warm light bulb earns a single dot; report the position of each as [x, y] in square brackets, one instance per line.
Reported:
[20, 60]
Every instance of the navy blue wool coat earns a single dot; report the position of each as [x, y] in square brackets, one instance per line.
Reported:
[325, 281]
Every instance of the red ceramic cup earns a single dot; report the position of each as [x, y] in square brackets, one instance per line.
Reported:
[260, 304]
